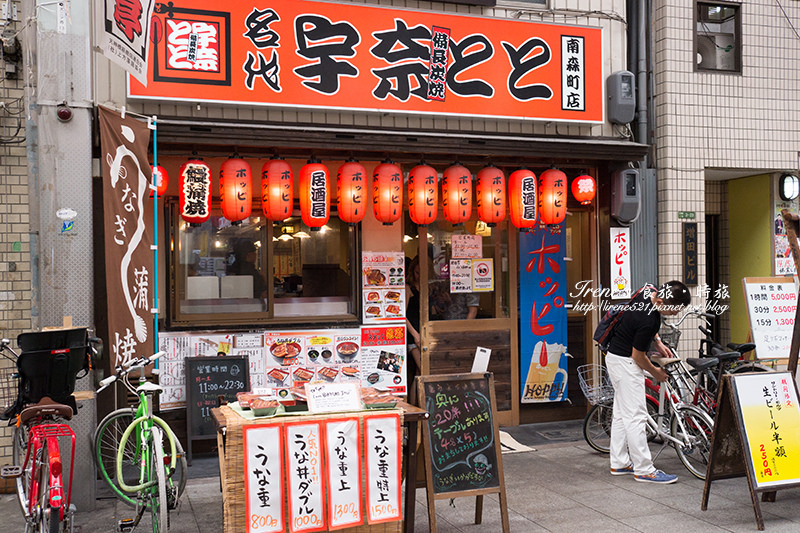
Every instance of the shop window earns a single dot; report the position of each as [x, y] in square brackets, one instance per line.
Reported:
[456, 290]
[220, 271]
[718, 37]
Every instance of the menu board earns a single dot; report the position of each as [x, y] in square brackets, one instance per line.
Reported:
[771, 305]
[208, 378]
[460, 432]
[472, 275]
[383, 284]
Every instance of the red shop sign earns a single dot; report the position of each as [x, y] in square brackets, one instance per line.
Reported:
[298, 53]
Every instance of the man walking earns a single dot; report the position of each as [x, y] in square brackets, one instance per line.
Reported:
[627, 362]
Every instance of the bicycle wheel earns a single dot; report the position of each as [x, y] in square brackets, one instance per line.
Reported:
[695, 448]
[19, 448]
[158, 492]
[652, 410]
[597, 427]
[106, 443]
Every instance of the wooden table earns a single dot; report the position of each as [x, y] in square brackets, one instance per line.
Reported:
[412, 416]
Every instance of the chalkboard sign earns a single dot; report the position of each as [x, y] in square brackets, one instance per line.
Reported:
[461, 439]
[208, 378]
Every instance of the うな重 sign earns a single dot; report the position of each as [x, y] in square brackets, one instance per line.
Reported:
[299, 53]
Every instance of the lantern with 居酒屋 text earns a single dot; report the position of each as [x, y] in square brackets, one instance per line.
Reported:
[160, 180]
[351, 191]
[457, 194]
[423, 192]
[276, 189]
[491, 190]
[235, 189]
[314, 190]
[522, 200]
[583, 189]
[387, 192]
[552, 196]
[195, 191]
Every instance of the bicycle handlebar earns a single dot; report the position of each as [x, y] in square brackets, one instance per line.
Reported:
[125, 369]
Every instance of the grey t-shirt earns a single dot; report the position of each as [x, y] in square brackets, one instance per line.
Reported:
[460, 302]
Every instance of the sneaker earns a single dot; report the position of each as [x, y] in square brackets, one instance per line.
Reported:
[657, 477]
[622, 471]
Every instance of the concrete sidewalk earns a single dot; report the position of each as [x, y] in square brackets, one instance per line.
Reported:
[559, 486]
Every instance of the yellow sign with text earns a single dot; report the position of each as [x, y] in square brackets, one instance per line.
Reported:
[771, 416]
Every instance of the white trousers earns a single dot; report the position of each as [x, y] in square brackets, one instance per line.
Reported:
[628, 433]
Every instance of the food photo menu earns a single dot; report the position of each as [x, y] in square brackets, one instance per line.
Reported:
[383, 283]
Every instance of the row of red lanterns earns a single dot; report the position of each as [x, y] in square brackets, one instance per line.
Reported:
[532, 199]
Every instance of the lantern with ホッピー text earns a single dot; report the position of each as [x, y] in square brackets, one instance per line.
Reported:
[160, 181]
[277, 185]
[522, 200]
[351, 191]
[314, 191]
[387, 192]
[235, 189]
[552, 196]
[457, 194]
[195, 191]
[491, 191]
[583, 189]
[423, 192]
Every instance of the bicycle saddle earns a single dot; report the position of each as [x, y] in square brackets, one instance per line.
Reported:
[663, 362]
[45, 407]
[742, 348]
[704, 363]
[725, 357]
[148, 386]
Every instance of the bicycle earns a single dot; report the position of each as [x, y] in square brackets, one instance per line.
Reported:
[131, 453]
[686, 427]
[41, 372]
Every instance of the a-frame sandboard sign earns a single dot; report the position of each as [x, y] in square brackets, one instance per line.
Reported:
[757, 435]
[461, 441]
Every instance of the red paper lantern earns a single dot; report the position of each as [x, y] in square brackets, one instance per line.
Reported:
[522, 200]
[457, 194]
[314, 190]
[276, 189]
[583, 189]
[552, 196]
[195, 191]
[351, 189]
[235, 189]
[160, 180]
[387, 192]
[491, 195]
[423, 192]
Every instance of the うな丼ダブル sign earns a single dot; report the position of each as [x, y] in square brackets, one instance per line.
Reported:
[298, 53]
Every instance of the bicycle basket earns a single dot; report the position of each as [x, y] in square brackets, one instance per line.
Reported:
[9, 388]
[50, 361]
[670, 337]
[595, 383]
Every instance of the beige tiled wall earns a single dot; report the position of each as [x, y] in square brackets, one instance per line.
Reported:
[15, 257]
[742, 122]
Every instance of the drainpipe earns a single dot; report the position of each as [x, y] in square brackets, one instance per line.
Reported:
[641, 72]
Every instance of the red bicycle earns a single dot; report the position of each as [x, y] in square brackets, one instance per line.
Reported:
[37, 399]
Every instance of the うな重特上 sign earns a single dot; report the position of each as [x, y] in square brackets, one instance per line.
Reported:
[298, 53]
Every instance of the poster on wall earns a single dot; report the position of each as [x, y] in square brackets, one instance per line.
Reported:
[383, 283]
[620, 263]
[543, 314]
[383, 357]
[327, 55]
[784, 263]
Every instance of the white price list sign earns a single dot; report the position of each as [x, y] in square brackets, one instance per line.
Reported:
[304, 473]
[383, 468]
[263, 479]
[343, 473]
[771, 304]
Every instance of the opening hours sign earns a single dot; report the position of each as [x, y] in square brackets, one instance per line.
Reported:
[298, 53]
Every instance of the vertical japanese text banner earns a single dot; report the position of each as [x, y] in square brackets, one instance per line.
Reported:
[620, 257]
[129, 259]
[125, 38]
[543, 314]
